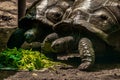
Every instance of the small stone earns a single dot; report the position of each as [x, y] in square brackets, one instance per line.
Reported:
[34, 74]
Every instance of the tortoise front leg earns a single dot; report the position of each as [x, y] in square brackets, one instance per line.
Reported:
[87, 54]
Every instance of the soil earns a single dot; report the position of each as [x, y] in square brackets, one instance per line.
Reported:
[103, 70]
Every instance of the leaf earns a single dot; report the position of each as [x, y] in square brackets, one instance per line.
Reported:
[24, 59]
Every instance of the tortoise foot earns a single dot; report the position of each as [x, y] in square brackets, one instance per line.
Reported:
[86, 53]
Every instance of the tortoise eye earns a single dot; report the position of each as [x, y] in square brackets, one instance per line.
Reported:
[103, 17]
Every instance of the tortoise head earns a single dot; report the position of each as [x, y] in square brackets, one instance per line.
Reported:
[59, 45]
[30, 35]
[38, 32]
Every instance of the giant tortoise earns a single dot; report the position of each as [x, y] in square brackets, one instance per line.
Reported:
[38, 21]
[92, 26]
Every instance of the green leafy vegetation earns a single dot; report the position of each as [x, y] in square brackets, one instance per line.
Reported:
[24, 59]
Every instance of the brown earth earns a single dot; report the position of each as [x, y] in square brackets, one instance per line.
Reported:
[104, 70]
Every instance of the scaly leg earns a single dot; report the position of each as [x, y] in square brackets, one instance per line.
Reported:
[87, 54]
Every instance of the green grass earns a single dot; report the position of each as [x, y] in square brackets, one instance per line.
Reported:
[24, 59]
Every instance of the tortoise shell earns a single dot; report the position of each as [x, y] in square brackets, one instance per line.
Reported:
[44, 12]
[99, 17]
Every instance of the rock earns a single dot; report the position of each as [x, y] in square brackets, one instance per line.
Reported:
[5, 33]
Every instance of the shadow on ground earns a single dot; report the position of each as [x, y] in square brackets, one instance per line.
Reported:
[101, 63]
[5, 74]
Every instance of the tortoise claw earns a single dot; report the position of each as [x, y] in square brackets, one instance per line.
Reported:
[84, 66]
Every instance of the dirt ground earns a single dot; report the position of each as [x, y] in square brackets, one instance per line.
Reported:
[104, 70]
